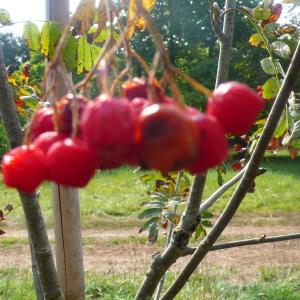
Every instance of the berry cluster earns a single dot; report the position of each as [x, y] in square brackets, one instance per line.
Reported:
[132, 130]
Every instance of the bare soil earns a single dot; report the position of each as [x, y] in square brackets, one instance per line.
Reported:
[111, 251]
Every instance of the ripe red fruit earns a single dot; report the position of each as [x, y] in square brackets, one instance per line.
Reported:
[64, 112]
[137, 88]
[166, 137]
[235, 106]
[42, 121]
[236, 166]
[138, 104]
[212, 146]
[108, 127]
[71, 163]
[24, 168]
[45, 140]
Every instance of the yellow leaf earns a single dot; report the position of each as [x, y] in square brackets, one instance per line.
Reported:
[12, 81]
[102, 17]
[256, 40]
[85, 16]
[140, 23]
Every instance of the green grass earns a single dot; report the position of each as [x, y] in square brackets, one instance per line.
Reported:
[112, 199]
[272, 284]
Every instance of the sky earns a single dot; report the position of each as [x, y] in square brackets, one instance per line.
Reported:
[24, 10]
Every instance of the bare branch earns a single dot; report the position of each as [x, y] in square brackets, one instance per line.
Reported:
[177, 248]
[219, 192]
[248, 242]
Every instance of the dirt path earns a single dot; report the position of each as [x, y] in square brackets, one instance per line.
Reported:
[120, 251]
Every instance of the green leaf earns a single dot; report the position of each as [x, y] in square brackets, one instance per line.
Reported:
[148, 223]
[95, 52]
[270, 30]
[282, 125]
[206, 223]
[104, 35]
[150, 212]
[261, 13]
[31, 35]
[70, 54]
[200, 231]
[84, 56]
[290, 39]
[50, 34]
[153, 233]
[256, 40]
[268, 67]
[4, 17]
[270, 88]
[31, 102]
[147, 177]
[206, 215]
[281, 49]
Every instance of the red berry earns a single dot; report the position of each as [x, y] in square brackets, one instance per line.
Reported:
[138, 104]
[108, 127]
[47, 139]
[235, 106]
[236, 166]
[166, 138]
[42, 122]
[237, 147]
[71, 163]
[24, 168]
[212, 146]
[137, 88]
[64, 112]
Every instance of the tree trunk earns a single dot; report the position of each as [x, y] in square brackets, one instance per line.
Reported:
[66, 209]
[35, 223]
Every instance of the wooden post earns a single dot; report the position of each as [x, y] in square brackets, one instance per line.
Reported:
[66, 210]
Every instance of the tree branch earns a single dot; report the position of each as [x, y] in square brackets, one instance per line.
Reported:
[34, 219]
[190, 218]
[249, 242]
[177, 248]
[226, 186]
[247, 179]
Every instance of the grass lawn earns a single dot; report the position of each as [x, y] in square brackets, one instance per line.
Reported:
[112, 199]
[272, 284]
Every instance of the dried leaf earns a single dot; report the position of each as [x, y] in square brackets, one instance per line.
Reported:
[85, 16]
[140, 24]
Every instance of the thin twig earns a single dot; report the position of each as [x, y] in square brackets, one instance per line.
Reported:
[193, 83]
[104, 55]
[139, 59]
[169, 236]
[220, 191]
[248, 242]
[153, 29]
